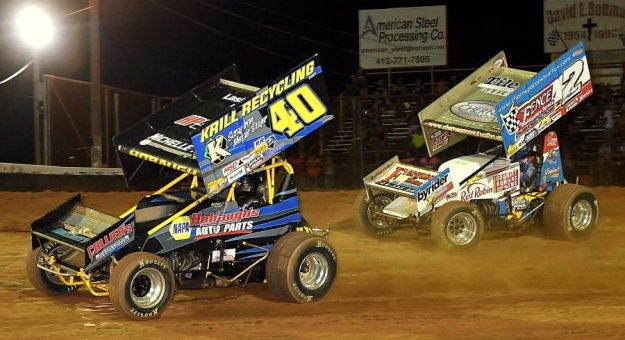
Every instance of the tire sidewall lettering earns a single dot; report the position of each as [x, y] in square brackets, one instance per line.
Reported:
[138, 311]
[150, 314]
[148, 262]
[322, 244]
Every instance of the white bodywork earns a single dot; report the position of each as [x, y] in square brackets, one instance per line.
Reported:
[423, 189]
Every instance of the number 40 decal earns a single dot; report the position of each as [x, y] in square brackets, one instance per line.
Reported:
[299, 108]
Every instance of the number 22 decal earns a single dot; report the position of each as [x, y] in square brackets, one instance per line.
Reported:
[571, 85]
[299, 108]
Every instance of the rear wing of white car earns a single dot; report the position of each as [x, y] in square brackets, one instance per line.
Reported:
[504, 104]
[468, 109]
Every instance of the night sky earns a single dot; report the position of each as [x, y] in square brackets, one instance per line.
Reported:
[146, 47]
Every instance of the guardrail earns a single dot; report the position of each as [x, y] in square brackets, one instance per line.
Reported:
[29, 177]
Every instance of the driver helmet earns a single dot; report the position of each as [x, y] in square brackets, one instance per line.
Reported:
[247, 184]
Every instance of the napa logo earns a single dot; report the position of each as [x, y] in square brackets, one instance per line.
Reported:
[180, 228]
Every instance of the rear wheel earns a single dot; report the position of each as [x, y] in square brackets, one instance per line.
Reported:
[42, 280]
[570, 212]
[301, 267]
[369, 214]
[141, 286]
[457, 226]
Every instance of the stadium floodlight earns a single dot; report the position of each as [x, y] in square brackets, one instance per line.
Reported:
[35, 26]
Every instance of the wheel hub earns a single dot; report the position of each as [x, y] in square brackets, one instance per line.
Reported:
[461, 229]
[581, 215]
[313, 271]
[147, 288]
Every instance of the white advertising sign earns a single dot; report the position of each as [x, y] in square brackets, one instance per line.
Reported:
[403, 37]
[599, 24]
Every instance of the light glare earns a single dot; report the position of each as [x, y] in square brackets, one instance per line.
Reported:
[34, 26]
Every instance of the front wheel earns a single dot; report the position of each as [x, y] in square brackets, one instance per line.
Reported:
[369, 214]
[570, 212]
[141, 286]
[457, 226]
[301, 267]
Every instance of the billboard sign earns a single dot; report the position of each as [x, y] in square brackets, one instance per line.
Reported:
[403, 37]
[599, 24]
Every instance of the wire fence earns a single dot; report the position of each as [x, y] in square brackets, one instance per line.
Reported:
[67, 139]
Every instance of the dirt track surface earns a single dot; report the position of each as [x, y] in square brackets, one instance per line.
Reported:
[400, 287]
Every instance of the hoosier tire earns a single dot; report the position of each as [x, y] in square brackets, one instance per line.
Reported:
[457, 226]
[301, 267]
[365, 213]
[141, 286]
[570, 212]
[43, 281]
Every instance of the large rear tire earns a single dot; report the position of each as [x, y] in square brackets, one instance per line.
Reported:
[42, 280]
[367, 213]
[570, 212]
[457, 226]
[301, 267]
[141, 286]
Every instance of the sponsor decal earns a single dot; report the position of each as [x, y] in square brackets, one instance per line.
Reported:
[507, 180]
[216, 185]
[499, 86]
[229, 255]
[520, 202]
[475, 191]
[180, 228]
[253, 161]
[258, 150]
[70, 234]
[262, 97]
[404, 179]
[464, 131]
[217, 150]
[249, 126]
[439, 138]
[263, 144]
[553, 172]
[218, 125]
[434, 185]
[550, 142]
[238, 173]
[199, 225]
[192, 122]
[232, 98]
[169, 144]
[198, 219]
[578, 52]
[521, 119]
[228, 169]
[111, 242]
[80, 230]
[225, 229]
[160, 161]
[482, 111]
[532, 109]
